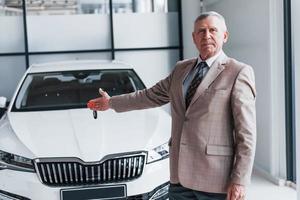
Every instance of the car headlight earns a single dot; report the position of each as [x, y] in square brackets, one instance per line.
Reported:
[15, 162]
[158, 153]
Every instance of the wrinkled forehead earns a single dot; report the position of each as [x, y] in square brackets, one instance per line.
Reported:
[210, 22]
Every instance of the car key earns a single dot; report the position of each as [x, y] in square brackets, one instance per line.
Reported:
[91, 105]
[95, 114]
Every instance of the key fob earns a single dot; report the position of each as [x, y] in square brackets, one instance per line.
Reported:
[95, 114]
[91, 105]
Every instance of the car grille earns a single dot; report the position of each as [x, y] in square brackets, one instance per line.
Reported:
[74, 172]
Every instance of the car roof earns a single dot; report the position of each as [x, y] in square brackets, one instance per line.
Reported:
[77, 65]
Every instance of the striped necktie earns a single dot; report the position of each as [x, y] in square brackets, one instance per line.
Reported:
[201, 68]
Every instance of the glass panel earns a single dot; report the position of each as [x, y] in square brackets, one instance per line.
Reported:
[12, 69]
[144, 6]
[151, 66]
[138, 30]
[72, 89]
[66, 7]
[84, 24]
[64, 57]
[145, 23]
[12, 36]
[11, 8]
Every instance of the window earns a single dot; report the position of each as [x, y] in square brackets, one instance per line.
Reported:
[11, 23]
[72, 89]
[56, 30]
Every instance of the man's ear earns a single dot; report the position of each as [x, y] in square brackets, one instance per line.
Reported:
[194, 37]
[226, 34]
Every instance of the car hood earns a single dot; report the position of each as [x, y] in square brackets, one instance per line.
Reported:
[75, 133]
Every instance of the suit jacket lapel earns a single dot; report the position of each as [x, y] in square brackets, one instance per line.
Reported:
[214, 71]
[185, 72]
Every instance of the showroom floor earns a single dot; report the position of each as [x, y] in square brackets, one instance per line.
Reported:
[262, 189]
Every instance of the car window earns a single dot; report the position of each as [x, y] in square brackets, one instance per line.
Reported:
[72, 89]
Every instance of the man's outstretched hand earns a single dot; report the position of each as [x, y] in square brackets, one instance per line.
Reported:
[101, 103]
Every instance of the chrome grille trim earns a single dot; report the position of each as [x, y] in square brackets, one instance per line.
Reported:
[93, 174]
[59, 172]
[99, 177]
[76, 175]
[65, 172]
[109, 171]
[81, 174]
[44, 174]
[129, 168]
[104, 172]
[115, 169]
[70, 172]
[86, 174]
[119, 168]
[124, 168]
[49, 174]
[54, 173]
[139, 166]
[134, 164]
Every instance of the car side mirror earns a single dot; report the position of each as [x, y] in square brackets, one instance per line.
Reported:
[3, 102]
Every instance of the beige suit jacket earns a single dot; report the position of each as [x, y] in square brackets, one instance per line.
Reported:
[213, 141]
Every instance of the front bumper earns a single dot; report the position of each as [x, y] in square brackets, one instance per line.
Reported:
[25, 185]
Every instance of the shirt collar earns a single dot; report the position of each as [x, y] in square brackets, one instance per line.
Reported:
[209, 61]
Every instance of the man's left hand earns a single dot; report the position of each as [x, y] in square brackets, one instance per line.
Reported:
[236, 192]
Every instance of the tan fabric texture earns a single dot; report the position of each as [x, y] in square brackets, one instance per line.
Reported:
[213, 141]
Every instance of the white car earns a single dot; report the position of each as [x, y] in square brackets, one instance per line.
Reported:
[52, 147]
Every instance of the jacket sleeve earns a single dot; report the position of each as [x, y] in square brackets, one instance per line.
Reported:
[244, 115]
[155, 96]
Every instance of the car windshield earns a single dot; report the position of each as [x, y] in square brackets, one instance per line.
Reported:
[72, 89]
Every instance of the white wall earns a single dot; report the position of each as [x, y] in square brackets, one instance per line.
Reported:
[140, 30]
[68, 32]
[190, 11]
[12, 39]
[256, 38]
[12, 69]
[278, 148]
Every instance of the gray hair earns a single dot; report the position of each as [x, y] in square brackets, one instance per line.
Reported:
[211, 13]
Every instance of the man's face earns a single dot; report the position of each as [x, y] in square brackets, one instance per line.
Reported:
[209, 36]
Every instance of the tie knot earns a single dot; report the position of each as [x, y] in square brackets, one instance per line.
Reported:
[202, 64]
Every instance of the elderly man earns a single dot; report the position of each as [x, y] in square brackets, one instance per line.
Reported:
[212, 100]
